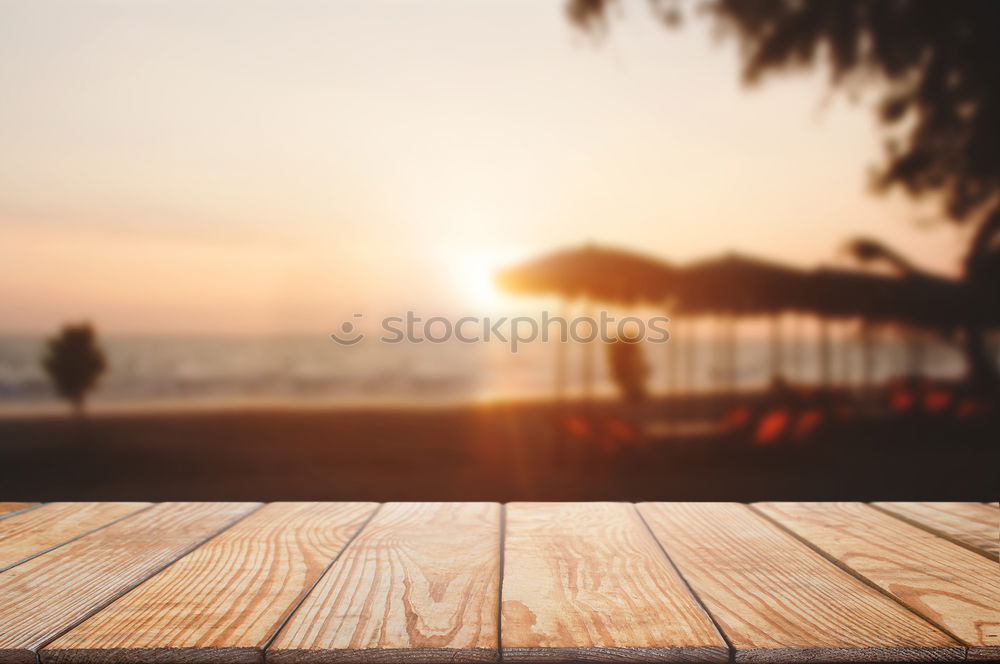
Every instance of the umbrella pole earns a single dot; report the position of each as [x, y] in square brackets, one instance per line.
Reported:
[868, 356]
[672, 366]
[916, 359]
[734, 354]
[797, 349]
[846, 369]
[725, 348]
[560, 372]
[825, 371]
[690, 355]
[587, 361]
[776, 350]
[718, 368]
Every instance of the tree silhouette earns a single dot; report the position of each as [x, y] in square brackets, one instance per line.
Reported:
[937, 67]
[74, 361]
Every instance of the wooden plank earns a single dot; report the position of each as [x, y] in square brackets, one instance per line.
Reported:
[30, 533]
[7, 509]
[45, 596]
[994, 505]
[420, 583]
[587, 582]
[224, 601]
[949, 585]
[972, 525]
[777, 600]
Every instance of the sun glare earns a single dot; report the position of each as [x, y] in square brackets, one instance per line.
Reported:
[474, 278]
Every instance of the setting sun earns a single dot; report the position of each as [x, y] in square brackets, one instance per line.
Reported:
[475, 283]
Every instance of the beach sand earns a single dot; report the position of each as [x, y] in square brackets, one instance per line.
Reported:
[477, 452]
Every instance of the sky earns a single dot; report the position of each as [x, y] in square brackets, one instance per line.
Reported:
[253, 167]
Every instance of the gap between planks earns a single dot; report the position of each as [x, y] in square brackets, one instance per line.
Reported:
[225, 600]
[52, 593]
[10, 509]
[28, 534]
[974, 526]
[950, 586]
[588, 582]
[420, 583]
[777, 600]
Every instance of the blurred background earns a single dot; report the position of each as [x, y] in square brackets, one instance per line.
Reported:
[194, 196]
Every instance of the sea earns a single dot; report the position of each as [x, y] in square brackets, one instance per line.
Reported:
[304, 370]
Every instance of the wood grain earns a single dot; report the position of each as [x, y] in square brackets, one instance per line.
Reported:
[45, 596]
[7, 509]
[777, 600]
[587, 582]
[973, 525]
[994, 505]
[224, 601]
[30, 533]
[949, 585]
[420, 583]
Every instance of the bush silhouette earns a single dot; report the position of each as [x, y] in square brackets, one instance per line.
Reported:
[74, 361]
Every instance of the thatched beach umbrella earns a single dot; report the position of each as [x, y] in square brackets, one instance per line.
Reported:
[930, 301]
[840, 293]
[915, 300]
[740, 285]
[736, 285]
[595, 273]
[918, 299]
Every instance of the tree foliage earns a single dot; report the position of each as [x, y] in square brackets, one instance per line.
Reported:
[936, 64]
[74, 361]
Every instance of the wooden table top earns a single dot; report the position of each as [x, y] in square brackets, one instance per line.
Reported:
[248, 583]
